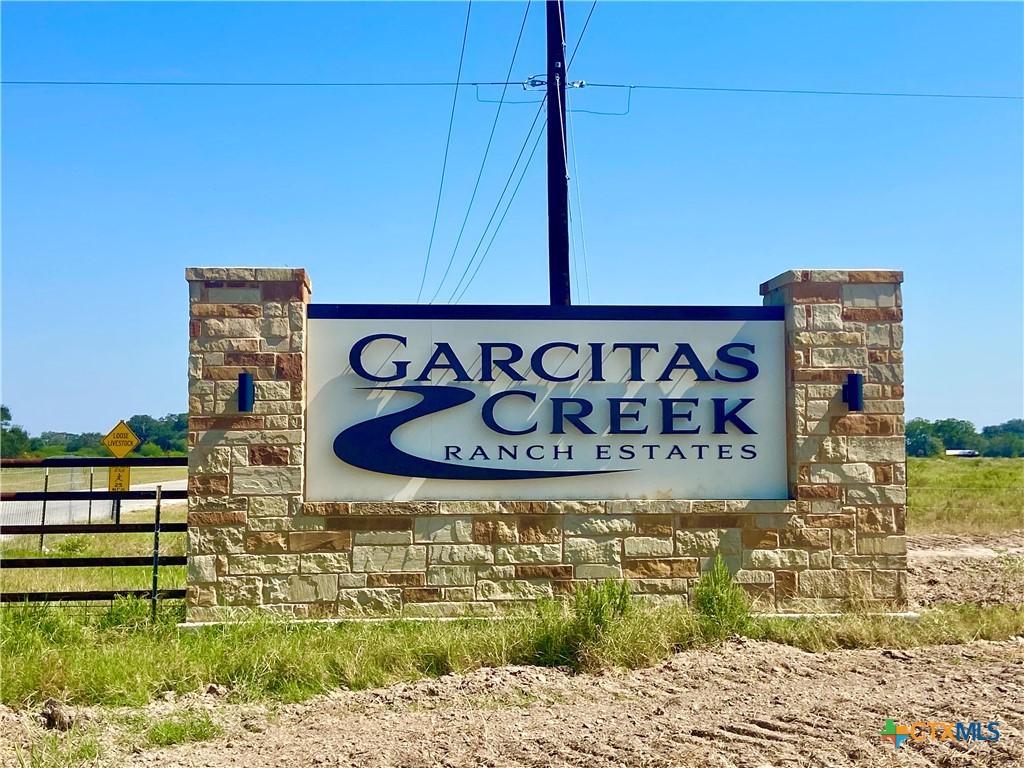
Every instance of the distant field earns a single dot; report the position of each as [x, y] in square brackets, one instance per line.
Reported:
[14, 479]
[956, 495]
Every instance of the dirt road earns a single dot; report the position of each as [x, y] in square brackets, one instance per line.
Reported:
[748, 704]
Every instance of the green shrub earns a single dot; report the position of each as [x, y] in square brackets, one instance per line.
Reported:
[595, 608]
[722, 607]
[568, 634]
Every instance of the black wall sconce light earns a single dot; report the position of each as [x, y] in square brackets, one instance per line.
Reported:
[853, 391]
[246, 393]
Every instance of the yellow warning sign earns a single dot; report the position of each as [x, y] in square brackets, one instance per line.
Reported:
[119, 479]
[121, 441]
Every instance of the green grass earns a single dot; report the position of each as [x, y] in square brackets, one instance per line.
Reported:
[93, 545]
[180, 728]
[76, 748]
[955, 495]
[947, 625]
[571, 633]
[118, 658]
[79, 746]
[96, 545]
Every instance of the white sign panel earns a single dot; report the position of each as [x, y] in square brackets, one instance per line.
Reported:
[478, 403]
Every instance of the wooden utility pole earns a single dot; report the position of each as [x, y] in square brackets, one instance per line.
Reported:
[558, 177]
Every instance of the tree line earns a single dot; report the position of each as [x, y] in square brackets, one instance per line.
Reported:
[934, 438]
[166, 436]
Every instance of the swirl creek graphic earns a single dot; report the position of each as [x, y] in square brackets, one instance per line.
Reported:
[368, 445]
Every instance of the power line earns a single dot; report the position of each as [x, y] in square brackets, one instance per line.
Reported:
[579, 199]
[497, 205]
[253, 84]
[561, 116]
[506, 101]
[458, 84]
[580, 38]
[447, 144]
[487, 151]
[564, 116]
[808, 92]
[501, 197]
[504, 213]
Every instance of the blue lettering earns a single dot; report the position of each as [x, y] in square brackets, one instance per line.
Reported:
[529, 452]
[669, 415]
[616, 415]
[676, 452]
[749, 366]
[487, 413]
[725, 451]
[537, 360]
[355, 358]
[993, 731]
[558, 415]
[748, 452]
[479, 453]
[626, 452]
[444, 349]
[723, 416]
[452, 452]
[635, 358]
[488, 363]
[559, 452]
[971, 731]
[685, 352]
[596, 360]
[604, 451]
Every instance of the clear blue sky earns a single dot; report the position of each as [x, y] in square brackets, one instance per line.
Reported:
[691, 198]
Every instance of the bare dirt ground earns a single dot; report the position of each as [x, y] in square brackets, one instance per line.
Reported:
[981, 569]
[748, 704]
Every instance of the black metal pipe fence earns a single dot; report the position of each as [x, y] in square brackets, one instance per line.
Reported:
[156, 528]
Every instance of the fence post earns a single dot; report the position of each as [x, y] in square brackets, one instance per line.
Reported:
[156, 552]
[91, 471]
[46, 489]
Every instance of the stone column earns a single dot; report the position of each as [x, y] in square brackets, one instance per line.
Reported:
[847, 471]
[245, 469]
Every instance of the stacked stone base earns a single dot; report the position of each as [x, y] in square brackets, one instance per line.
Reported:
[447, 559]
